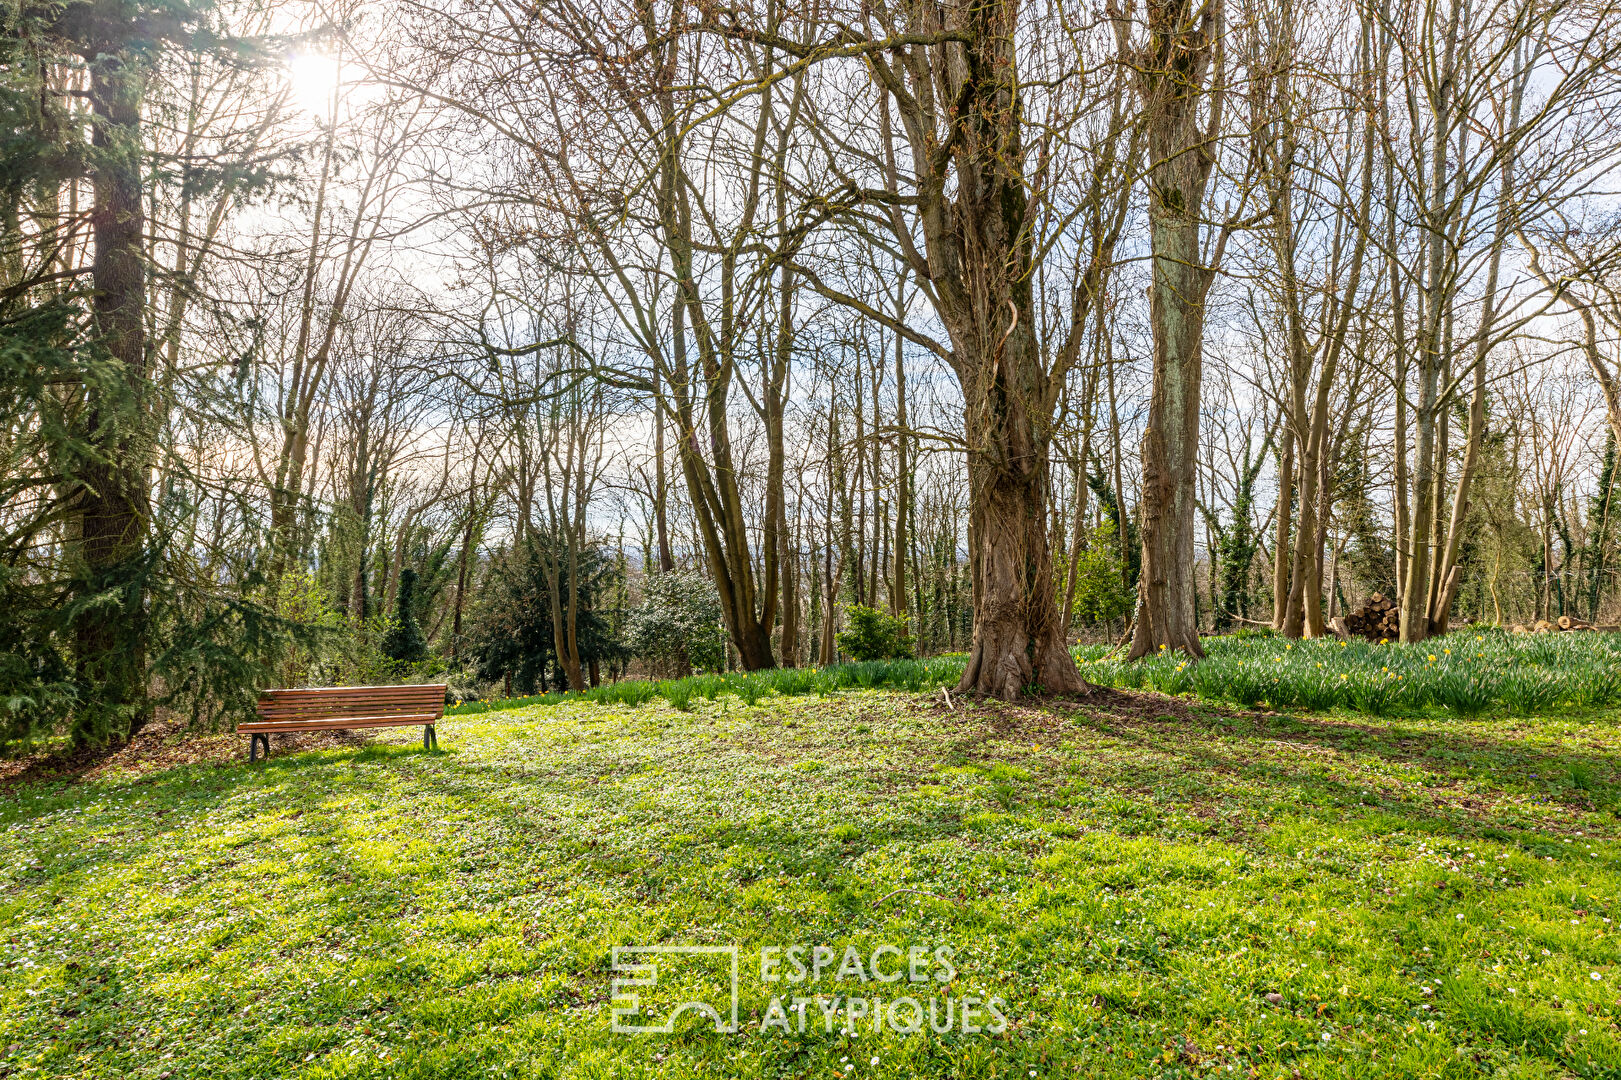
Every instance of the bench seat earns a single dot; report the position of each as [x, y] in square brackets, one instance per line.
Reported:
[326, 708]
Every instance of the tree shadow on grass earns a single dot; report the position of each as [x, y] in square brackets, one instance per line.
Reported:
[341, 808]
[1288, 757]
[265, 873]
[1156, 752]
[160, 746]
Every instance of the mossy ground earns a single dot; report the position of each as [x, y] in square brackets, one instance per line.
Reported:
[1132, 876]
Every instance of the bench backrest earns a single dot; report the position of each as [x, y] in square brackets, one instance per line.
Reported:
[339, 702]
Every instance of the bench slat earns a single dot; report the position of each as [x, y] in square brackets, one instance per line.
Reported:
[420, 714]
[376, 694]
[402, 688]
[414, 694]
[354, 705]
[324, 702]
[341, 722]
[348, 702]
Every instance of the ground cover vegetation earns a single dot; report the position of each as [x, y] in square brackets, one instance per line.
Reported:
[1465, 674]
[1152, 888]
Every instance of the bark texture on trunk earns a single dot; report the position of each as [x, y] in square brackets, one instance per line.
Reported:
[1173, 72]
[1019, 639]
[1165, 616]
[113, 503]
[1432, 354]
[974, 209]
[903, 475]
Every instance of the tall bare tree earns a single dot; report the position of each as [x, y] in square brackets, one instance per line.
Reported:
[1180, 76]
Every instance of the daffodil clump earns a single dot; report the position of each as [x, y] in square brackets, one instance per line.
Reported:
[753, 686]
[1465, 673]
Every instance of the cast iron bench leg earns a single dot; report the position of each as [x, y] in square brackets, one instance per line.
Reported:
[430, 737]
[253, 747]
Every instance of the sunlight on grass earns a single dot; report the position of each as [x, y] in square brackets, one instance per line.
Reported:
[1149, 896]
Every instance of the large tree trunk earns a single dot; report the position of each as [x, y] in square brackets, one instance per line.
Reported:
[1019, 639]
[1395, 272]
[973, 208]
[113, 502]
[307, 373]
[1173, 73]
[1447, 570]
[789, 646]
[1415, 612]
[1432, 347]
[1446, 575]
[463, 566]
[716, 503]
[661, 521]
[1165, 615]
[1078, 536]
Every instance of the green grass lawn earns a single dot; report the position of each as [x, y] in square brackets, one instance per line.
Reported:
[1151, 889]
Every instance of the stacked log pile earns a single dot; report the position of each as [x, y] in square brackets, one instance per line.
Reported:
[1376, 619]
[1563, 624]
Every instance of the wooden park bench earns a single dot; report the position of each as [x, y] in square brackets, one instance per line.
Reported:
[329, 707]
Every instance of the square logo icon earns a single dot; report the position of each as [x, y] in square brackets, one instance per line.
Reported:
[707, 972]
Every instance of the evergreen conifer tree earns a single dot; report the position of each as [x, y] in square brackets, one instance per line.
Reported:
[404, 643]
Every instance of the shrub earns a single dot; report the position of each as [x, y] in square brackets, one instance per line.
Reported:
[1132, 676]
[911, 675]
[1319, 692]
[865, 675]
[1248, 686]
[678, 626]
[1596, 687]
[1528, 691]
[1170, 674]
[750, 689]
[630, 692]
[511, 635]
[870, 634]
